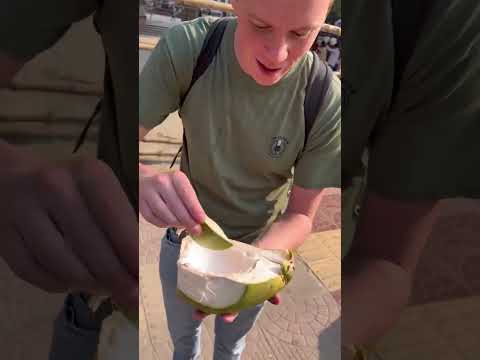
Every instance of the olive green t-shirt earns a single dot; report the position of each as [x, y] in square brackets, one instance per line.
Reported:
[28, 28]
[423, 139]
[242, 138]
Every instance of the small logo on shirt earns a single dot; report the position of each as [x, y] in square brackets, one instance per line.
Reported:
[278, 146]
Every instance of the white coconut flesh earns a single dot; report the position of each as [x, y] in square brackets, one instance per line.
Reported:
[219, 278]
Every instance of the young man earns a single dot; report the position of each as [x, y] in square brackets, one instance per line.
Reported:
[244, 127]
[59, 223]
[411, 81]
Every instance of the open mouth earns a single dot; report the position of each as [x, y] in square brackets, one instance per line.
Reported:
[268, 70]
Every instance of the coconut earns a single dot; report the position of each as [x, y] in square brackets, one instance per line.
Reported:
[218, 275]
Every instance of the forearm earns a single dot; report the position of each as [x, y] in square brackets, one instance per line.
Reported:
[288, 232]
[378, 272]
[374, 293]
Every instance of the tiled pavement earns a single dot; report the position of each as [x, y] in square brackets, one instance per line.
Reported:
[446, 330]
[305, 326]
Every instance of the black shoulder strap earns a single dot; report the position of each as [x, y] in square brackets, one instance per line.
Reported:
[88, 124]
[209, 51]
[207, 54]
[317, 87]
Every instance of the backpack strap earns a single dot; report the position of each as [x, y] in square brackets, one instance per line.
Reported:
[208, 52]
[88, 124]
[317, 87]
[408, 22]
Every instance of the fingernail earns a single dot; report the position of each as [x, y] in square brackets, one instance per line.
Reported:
[197, 230]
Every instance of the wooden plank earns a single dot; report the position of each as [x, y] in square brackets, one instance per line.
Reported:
[149, 42]
[28, 106]
[42, 133]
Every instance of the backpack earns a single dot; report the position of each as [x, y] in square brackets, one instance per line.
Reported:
[317, 85]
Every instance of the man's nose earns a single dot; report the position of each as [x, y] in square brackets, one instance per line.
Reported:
[277, 51]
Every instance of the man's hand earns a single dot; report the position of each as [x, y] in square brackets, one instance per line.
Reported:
[169, 200]
[68, 226]
[230, 318]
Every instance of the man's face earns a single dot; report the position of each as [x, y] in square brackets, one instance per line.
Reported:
[273, 34]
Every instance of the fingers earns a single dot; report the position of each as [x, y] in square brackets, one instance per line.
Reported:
[48, 251]
[92, 243]
[275, 300]
[24, 265]
[188, 196]
[169, 199]
[177, 205]
[109, 206]
[199, 315]
[160, 211]
[229, 318]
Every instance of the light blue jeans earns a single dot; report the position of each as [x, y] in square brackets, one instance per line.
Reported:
[184, 330]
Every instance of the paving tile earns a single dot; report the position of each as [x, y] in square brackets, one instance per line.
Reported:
[449, 267]
[317, 253]
[442, 330]
[326, 268]
[333, 283]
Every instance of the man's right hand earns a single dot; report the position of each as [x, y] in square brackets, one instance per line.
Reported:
[68, 226]
[169, 200]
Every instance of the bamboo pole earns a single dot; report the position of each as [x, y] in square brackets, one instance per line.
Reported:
[149, 42]
[206, 4]
[77, 89]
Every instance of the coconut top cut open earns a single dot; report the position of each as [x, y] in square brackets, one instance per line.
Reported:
[218, 274]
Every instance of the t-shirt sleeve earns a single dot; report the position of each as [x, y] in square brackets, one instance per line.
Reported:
[168, 71]
[30, 27]
[428, 147]
[319, 165]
